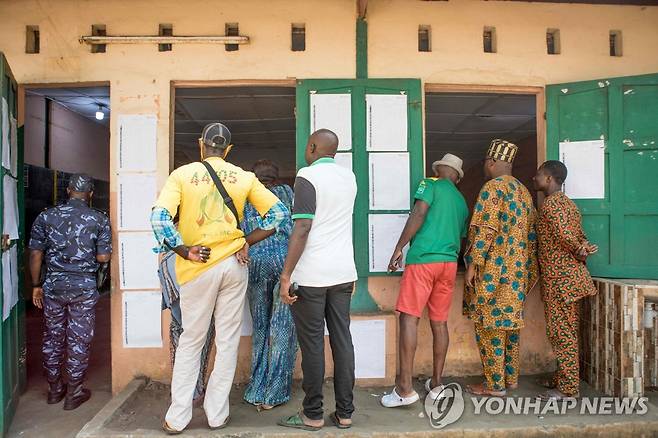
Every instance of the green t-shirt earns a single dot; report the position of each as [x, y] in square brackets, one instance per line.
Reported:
[439, 238]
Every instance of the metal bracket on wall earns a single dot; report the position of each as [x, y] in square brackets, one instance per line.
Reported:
[159, 39]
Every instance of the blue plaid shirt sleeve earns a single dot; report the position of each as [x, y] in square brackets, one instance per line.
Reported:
[274, 217]
[165, 231]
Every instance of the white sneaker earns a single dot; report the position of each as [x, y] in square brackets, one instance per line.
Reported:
[394, 400]
[434, 392]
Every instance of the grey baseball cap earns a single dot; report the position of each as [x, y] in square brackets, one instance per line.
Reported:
[81, 182]
[216, 135]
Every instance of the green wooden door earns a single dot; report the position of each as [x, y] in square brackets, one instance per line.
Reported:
[12, 328]
[358, 98]
[624, 113]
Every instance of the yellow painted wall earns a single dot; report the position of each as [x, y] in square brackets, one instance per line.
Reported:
[140, 80]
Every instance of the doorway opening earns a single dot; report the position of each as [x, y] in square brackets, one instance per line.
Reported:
[66, 131]
[465, 123]
[261, 118]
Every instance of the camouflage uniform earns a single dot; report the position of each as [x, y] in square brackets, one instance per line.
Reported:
[70, 235]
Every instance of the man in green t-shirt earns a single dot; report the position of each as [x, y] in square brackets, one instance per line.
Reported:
[437, 225]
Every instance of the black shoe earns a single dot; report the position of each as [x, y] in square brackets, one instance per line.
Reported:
[76, 396]
[56, 393]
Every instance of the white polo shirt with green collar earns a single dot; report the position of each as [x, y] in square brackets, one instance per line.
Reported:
[325, 192]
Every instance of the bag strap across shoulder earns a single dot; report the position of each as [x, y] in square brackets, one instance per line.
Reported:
[222, 191]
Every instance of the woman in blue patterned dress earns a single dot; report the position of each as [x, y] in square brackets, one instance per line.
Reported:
[274, 340]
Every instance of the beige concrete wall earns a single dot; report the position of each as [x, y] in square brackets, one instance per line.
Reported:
[457, 55]
[140, 79]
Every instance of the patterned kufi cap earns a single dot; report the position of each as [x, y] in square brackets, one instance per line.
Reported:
[81, 182]
[502, 150]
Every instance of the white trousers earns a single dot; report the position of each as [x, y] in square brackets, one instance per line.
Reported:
[222, 290]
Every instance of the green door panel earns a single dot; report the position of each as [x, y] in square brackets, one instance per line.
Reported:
[623, 112]
[12, 329]
[359, 88]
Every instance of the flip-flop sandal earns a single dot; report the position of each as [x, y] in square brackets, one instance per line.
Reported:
[334, 419]
[485, 391]
[221, 426]
[554, 394]
[296, 422]
[169, 430]
[546, 383]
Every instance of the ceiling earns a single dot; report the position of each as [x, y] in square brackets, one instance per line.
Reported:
[81, 100]
[465, 123]
[261, 121]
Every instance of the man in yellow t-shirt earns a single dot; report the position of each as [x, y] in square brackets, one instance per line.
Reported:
[210, 268]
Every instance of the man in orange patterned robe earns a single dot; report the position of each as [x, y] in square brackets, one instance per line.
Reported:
[502, 269]
[563, 249]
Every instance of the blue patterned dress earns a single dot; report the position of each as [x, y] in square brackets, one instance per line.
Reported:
[274, 339]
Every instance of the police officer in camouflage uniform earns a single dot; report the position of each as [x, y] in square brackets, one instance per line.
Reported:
[73, 239]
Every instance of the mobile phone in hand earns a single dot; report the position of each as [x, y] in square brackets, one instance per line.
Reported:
[293, 290]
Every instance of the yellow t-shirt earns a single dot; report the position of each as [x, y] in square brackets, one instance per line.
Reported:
[203, 218]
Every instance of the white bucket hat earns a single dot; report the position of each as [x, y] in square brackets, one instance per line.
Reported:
[452, 161]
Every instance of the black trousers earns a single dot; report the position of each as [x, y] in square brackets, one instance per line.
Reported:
[314, 306]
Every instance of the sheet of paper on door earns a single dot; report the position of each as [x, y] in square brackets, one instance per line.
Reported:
[13, 146]
[384, 231]
[344, 159]
[389, 181]
[10, 211]
[386, 122]
[138, 264]
[9, 281]
[333, 112]
[137, 193]
[585, 161]
[142, 319]
[369, 338]
[6, 155]
[137, 142]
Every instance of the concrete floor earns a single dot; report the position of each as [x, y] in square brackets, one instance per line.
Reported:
[141, 416]
[34, 417]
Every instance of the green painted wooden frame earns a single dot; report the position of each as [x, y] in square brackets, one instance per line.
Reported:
[613, 205]
[358, 88]
[12, 330]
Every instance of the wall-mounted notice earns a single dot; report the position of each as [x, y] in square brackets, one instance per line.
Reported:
[4, 127]
[138, 264]
[389, 181]
[585, 161]
[334, 112]
[386, 122]
[137, 193]
[369, 338]
[10, 210]
[142, 323]
[344, 159]
[384, 232]
[137, 142]
[9, 280]
[13, 146]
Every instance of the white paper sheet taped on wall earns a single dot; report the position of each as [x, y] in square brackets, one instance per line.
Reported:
[389, 181]
[10, 210]
[137, 142]
[137, 194]
[383, 234]
[344, 159]
[333, 112]
[142, 323]
[13, 146]
[386, 122]
[369, 339]
[9, 281]
[6, 155]
[138, 264]
[585, 161]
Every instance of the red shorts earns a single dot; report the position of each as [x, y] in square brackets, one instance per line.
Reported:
[427, 284]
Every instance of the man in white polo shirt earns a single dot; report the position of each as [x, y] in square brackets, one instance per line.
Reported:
[321, 261]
